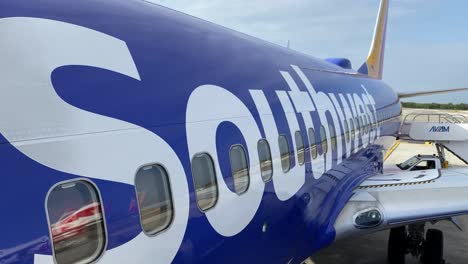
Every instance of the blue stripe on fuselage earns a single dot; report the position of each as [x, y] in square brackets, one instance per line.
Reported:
[175, 54]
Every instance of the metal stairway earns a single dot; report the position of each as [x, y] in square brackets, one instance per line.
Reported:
[447, 131]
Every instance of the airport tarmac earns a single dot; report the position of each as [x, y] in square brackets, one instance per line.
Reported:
[372, 248]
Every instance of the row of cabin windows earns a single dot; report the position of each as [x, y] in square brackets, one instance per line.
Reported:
[76, 217]
[72, 202]
[203, 170]
[204, 175]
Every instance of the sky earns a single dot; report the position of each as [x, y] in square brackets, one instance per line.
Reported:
[427, 40]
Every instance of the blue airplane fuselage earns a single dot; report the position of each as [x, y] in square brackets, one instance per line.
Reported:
[189, 78]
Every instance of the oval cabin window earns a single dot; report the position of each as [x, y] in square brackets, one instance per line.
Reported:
[76, 222]
[154, 199]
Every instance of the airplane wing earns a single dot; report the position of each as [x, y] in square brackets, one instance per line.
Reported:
[416, 94]
[397, 199]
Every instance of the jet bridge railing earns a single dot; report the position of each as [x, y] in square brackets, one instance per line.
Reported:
[429, 117]
[449, 131]
[435, 118]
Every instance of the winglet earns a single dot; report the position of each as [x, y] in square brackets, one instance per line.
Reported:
[374, 64]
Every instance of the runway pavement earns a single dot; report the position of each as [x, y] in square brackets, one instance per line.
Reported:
[372, 248]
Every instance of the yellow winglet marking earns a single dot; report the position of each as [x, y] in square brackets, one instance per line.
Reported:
[376, 54]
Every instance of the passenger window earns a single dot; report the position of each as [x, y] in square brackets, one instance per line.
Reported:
[358, 125]
[285, 153]
[240, 169]
[313, 143]
[351, 123]
[154, 199]
[300, 148]
[346, 130]
[323, 136]
[204, 179]
[331, 127]
[264, 155]
[76, 222]
[366, 125]
[362, 125]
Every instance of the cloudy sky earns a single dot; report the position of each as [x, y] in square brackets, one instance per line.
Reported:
[427, 40]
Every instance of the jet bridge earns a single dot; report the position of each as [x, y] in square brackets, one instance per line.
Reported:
[447, 131]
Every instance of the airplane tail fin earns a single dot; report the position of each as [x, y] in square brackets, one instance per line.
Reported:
[374, 63]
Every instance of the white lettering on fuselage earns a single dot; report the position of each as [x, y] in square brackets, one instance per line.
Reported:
[39, 46]
[33, 50]
[232, 212]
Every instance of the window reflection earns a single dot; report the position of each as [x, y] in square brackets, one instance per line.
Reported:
[313, 143]
[240, 169]
[332, 130]
[323, 136]
[154, 198]
[204, 179]
[264, 155]
[346, 130]
[76, 222]
[285, 153]
[300, 148]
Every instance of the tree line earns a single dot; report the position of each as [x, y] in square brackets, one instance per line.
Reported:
[448, 106]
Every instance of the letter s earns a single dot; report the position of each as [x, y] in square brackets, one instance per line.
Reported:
[29, 54]
[233, 212]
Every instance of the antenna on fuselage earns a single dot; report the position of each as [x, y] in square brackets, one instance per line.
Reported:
[289, 44]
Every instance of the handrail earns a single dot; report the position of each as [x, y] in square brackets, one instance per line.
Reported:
[435, 118]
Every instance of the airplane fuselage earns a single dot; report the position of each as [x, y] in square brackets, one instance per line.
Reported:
[97, 90]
